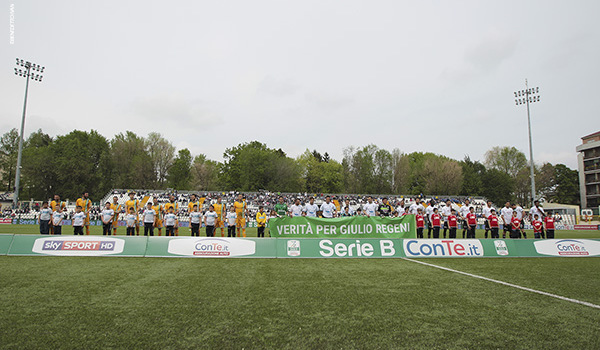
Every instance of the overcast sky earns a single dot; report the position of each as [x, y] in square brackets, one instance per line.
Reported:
[431, 76]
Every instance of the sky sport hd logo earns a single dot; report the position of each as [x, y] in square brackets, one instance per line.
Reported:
[211, 247]
[78, 246]
[568, 247]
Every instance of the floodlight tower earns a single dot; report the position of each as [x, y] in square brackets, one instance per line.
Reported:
[28, 71]
[527, 96]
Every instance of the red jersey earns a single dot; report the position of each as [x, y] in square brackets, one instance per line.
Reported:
[549, 223]
[493, 220]
[420, 221]
[471, 219]
[537, 226]
[452, 221]
[515, 223]
[435, 220]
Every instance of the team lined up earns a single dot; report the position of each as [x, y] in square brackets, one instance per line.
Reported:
[158, 216]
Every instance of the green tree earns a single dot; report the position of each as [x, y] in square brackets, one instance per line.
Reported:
[132, 164]
[162, 154]
[205, 174]
[253, 166]
[9, 149]
[180, 173]
[401, 172]
[320, 176]
[39, 174]
[82, 163]
[567, 185]
[497, 186]
[507, 159]
[473, 172]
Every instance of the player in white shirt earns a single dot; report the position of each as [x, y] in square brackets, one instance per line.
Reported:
[231, 217]
[210, 218]
[328, 208]
[149, 216]
[539, 211]
[130, 220]
[296, 209]
[44, 219]
[370, 208]
[446, 212]
[311, 208]
[400, 209]
[487, 211]
[106, 216]
[507, 213]
[57, 220]
[463, 211]
[195, 217]
[428, 213]
[170, 222]
[416, 206]
[78, 220]
[350, 211]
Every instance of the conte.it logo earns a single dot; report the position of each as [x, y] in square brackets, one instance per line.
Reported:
[211, 247]
[442, 247]
[568, 247]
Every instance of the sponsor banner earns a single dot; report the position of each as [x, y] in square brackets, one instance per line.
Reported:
[356, 227]
[568, 247]
[77, 245]
[5, 242]
[6, 221]
[211, 247]
[339, 248]
[425, 248]
[586, 227]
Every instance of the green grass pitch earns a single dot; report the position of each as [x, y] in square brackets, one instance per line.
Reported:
[166, 303]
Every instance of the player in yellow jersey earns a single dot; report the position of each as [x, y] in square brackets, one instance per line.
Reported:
[116, 207]
[54, 205]
[158, 208]
[173, 204]
[193, 201]
[135, 204]
[220, 210]
[241, 210]
[261, 221]
[86, 204]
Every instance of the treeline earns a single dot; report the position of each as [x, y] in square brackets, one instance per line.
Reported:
[69, 164]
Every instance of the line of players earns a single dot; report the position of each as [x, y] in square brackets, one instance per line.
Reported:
[436, 219]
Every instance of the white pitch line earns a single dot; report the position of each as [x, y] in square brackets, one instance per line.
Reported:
[508, 284]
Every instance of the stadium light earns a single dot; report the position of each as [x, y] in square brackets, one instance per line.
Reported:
[26, 72]
[527, 96]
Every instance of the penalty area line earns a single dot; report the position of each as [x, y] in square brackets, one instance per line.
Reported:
[507, 284]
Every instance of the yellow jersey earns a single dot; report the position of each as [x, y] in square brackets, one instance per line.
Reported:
[158, 209]
[240, 208]
[171, 205]
[54, 204]
[86, 204]
[219, 209]
[117, 208]
[261, 219]
[135, 204]
[191, 206]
